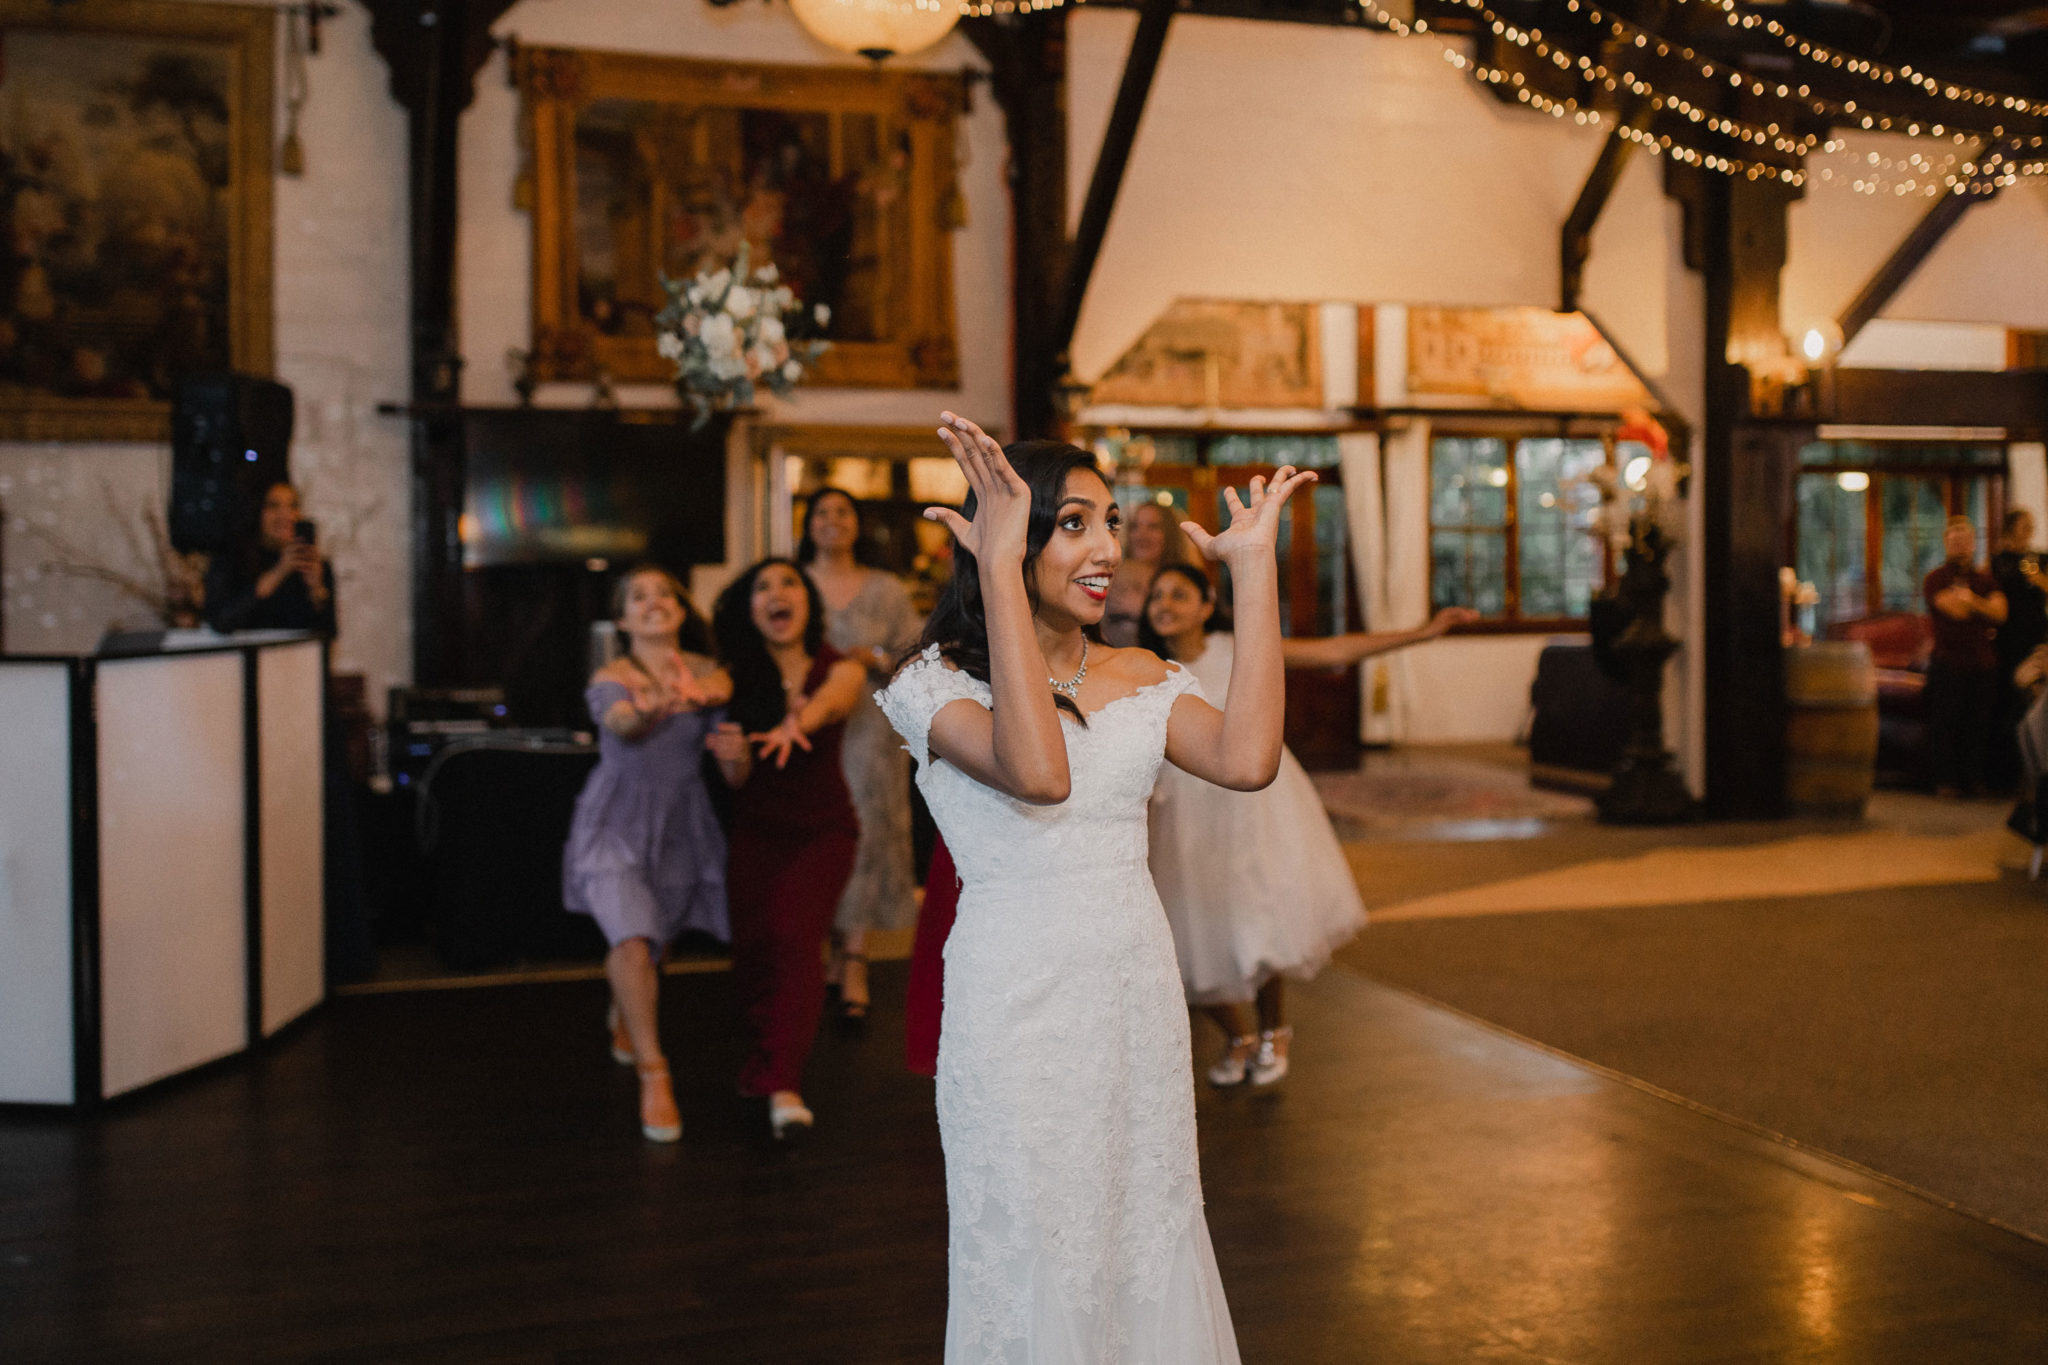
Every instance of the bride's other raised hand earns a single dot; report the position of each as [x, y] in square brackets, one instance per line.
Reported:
[1254, 519]
[1002, 500]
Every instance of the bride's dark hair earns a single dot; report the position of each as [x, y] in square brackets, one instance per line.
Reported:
[959, 624]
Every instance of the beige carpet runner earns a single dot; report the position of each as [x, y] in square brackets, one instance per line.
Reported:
[1809, 865]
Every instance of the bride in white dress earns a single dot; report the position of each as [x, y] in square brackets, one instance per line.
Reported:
[1065, 1093]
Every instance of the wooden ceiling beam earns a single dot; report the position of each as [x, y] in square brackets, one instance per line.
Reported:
[1140, 65]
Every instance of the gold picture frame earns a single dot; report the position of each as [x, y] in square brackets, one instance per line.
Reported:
[140, 215]
[639, 166]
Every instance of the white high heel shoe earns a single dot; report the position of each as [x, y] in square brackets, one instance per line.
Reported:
[1269, 1063]
[789, 1118]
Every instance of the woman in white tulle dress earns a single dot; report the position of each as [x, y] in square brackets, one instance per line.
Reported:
[1065, 1099]
[1255, 884]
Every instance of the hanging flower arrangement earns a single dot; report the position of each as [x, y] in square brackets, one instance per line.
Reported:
[1641, 513]
[732, 330]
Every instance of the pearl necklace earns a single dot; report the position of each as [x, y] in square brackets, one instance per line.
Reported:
[1073, 684]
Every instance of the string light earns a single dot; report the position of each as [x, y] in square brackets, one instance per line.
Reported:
[1656, 145]
[1951, 91]
[1622, 30]
[1925, 182]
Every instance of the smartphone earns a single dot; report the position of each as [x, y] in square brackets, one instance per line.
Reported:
[302, 531]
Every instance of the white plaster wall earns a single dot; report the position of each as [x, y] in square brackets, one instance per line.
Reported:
[93, 495]
[1473, 689]
[1292, 161]
[1627, 279]
[340, 299]
[1989, 268]
[496, 248]
[1992, 266]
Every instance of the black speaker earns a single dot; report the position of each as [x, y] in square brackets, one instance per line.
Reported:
[231, 438]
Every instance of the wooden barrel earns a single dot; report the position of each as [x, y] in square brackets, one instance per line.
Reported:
[1830, 728]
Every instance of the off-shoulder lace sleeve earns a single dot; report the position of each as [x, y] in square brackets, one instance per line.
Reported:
[1180, 680]
[918, 692]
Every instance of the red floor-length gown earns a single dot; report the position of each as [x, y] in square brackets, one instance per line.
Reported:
[928, 963]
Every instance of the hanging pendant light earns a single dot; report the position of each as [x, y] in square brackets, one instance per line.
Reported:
[877, 29]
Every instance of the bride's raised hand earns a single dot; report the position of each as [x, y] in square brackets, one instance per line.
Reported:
[1254, 520]
[1002, 500]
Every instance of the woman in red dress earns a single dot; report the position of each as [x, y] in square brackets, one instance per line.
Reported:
[794, 827]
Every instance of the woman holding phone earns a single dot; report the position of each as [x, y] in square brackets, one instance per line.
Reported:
[277, 579]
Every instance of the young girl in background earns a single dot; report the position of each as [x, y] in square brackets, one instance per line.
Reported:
[794, 828]
[645, 856]
[1255, 883]
[1151, 538]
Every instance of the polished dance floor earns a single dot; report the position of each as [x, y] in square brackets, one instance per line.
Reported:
[455, 1175]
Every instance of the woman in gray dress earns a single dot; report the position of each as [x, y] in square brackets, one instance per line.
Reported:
[868, 618]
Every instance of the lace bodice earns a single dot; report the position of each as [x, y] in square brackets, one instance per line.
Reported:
[995, 839]
[1064, 1086]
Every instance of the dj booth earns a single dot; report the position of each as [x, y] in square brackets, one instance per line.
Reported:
[161, 860]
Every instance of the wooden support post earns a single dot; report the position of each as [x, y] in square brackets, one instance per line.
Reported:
[1575, 245]
[434, 49]
[1749, 466]
[1027, 56]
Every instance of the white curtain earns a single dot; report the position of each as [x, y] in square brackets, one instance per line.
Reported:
[2026, 484]
[1386, 500]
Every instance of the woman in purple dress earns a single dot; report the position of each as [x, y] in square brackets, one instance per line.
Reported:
[645, 857]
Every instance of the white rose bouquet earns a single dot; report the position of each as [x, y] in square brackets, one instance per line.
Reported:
[728, 330]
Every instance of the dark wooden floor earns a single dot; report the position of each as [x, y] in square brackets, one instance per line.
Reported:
[456, 1176]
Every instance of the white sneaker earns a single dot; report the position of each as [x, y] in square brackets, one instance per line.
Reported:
[1229, 1069]
[1269, 1064]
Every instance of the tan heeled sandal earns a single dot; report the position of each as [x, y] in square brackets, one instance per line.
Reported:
[659, 1120]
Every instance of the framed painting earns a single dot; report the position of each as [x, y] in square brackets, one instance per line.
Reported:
[641, 167]
[135, 137]
[1227, 353]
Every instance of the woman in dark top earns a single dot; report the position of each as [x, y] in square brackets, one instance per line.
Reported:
[2017, 569]
[794, 827]
[276, 582]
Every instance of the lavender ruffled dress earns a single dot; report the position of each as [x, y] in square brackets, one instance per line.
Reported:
[645, 857]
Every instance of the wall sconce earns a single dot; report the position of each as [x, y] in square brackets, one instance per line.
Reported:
[1820, 343]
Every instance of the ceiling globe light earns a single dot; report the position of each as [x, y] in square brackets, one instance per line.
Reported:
[876, 29]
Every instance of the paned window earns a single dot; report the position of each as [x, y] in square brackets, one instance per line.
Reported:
[1189, 473]
[1510, 526]
[1872, 519]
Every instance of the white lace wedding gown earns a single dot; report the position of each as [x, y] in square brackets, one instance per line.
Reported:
[1065, 1093]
